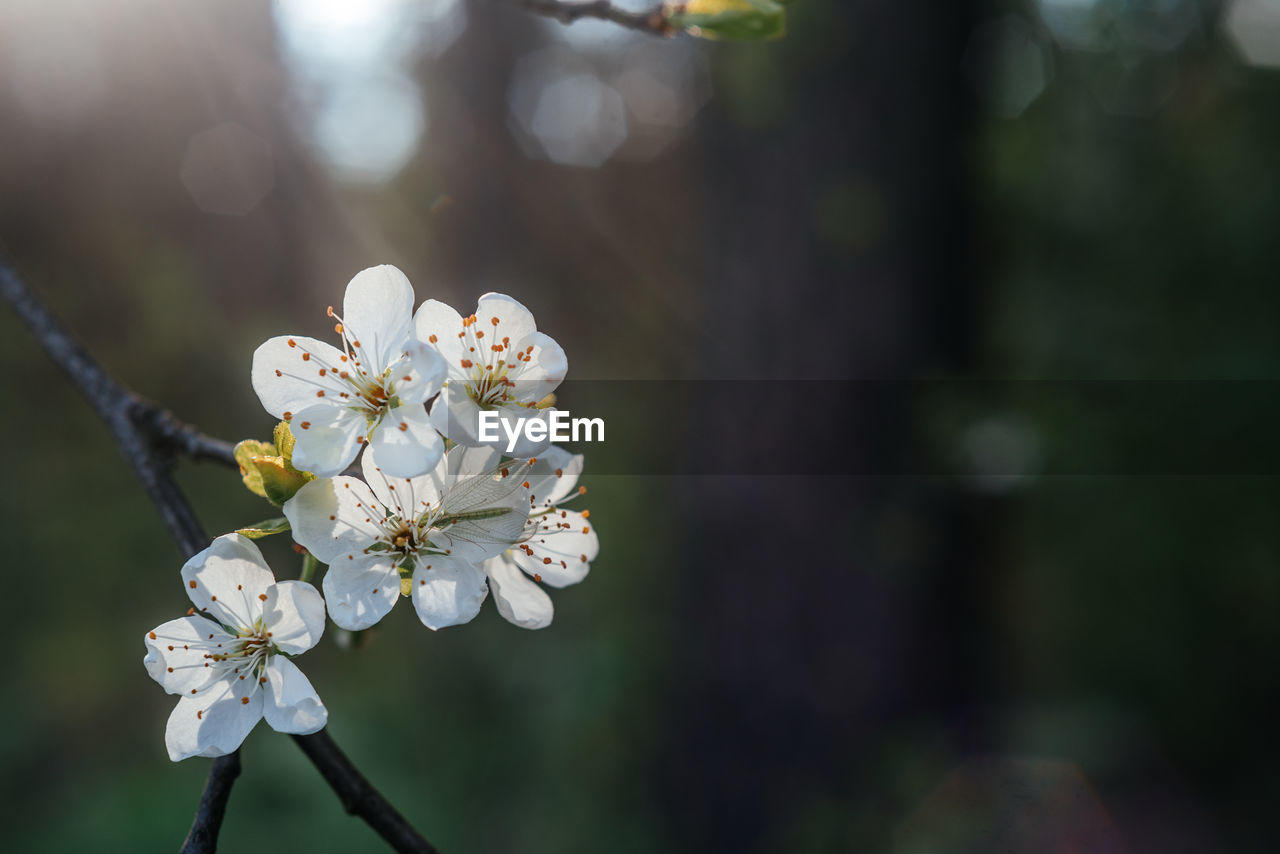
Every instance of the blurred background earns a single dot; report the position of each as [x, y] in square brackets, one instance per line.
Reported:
[999, 623]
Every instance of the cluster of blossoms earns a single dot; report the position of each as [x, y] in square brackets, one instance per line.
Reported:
[436, 514]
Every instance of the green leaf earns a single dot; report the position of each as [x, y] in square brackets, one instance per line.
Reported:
[280, 481]
[265, 528]
[244, 453]
[742, 20]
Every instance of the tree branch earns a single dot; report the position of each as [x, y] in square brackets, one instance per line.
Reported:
[151, 438]
[203, 835]
[358, 797]
[652, 21]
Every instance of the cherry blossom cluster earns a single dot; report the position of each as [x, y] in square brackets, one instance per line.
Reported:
[430, 512]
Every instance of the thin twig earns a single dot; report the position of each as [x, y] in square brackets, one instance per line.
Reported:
[358, 797]
[213, 805]
[151, 438]
[653, 20]
[146, 434]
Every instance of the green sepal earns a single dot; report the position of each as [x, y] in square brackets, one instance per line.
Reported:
[738, 20]
[244, 453]
[265, 528]
[280, 480]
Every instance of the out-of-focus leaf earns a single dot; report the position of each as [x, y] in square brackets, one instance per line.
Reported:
[265, 528]
[742, 20]
[244, 453]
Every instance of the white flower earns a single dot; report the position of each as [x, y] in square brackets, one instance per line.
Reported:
[225, 661]
[372, 391]
[556, 548]
[431, 531]
[499, 362]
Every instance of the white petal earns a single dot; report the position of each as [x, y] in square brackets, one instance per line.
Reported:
[294, 615]
[546, 368]
[334, 516]
[512, 416]
[407, 498]
[463, 463]
[176, 653]
[286, 373]
[290, 703]
[554, 476]
[447, 591]
[406, 443]
[561, 550]
[438, 325]
[377, 311]
[457, 416]
[500, 317]
[226, 579]
[361, 589]
[327, 437]
[519, 600]
[418, 374]
[214, 722]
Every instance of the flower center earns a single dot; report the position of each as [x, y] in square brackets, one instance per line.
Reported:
[244, 655]
[492, 366]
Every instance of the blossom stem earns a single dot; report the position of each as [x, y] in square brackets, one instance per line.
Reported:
[309, 567]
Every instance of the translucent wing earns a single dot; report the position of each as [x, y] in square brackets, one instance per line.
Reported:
[501, 486]
[484, 514]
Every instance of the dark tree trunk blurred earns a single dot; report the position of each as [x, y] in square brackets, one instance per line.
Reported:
[824, 618]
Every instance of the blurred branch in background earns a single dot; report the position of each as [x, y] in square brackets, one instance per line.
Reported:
[651, 21]
[151, 438]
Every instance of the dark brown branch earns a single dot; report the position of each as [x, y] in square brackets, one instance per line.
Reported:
[203, 835]
[650, 21]
[358, 797]
[151, 438]
[147, 435]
